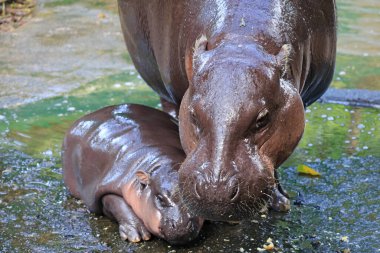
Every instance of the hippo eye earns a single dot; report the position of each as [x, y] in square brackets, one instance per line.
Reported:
[262, 119]
[161, 200]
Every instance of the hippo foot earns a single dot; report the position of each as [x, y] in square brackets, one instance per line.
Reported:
[133, 233]
[279, 202]
[131, 228]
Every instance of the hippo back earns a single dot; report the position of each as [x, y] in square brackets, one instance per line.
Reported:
[160, 36]
[103, 150]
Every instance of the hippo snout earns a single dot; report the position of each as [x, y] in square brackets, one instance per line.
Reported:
[230, 195]
[183, 231]
[224, 190]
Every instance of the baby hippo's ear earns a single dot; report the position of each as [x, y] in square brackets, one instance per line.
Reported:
[143, 177]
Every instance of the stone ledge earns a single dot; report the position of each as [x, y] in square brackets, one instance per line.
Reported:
[352, 97]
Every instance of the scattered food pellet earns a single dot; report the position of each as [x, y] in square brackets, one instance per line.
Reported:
[101, 16]
[263, 216]
[269, 246]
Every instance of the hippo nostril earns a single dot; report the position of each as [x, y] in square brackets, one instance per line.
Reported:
[196, 191]
[234, 191]
[189, 225]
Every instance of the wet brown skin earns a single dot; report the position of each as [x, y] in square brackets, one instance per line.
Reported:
[123, 161]
[239, 74]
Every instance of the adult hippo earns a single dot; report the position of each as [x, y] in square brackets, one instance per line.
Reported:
[239, 74]
[123, 161]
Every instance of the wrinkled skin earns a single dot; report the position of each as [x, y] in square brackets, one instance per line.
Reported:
[238, 74]
[123, 161]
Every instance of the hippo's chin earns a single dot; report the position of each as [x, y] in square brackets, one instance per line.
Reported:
[243, 208]
[180, 235]
[227, 212]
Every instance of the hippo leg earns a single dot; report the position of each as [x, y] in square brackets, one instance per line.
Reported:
[279, 201]
[169, 108]
[130, 226]
[282, 191]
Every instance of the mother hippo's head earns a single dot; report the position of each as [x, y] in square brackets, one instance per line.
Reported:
[240, 118]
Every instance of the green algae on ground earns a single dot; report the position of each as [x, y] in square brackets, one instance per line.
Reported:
[358, 58]
[38, 128]
[359, 72]
[103, 4]
[335, 131]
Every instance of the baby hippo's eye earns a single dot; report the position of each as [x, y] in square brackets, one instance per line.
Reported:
[262, 119]
[161, 200]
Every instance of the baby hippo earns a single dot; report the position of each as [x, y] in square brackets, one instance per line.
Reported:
[123, 161]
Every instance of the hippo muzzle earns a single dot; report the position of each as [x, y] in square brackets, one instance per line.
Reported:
[228, 193]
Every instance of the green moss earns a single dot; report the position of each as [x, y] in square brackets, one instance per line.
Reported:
[101, 4]
[334, 131]
[357, 72]
[346, 17]
[40, 126]
[60, 2]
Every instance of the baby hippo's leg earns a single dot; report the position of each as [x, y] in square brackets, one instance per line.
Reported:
[279, 200]
[130, 226]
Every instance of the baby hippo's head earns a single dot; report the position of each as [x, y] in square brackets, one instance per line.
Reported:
[161, 208]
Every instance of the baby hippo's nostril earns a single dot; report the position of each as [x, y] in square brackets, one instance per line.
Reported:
[233, 188]
[189, 225]
[198, 186]
[197, 191]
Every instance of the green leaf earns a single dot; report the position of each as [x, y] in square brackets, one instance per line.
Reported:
[304, 169]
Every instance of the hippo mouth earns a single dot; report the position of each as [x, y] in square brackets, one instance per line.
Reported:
[181, 233]
[242, 204]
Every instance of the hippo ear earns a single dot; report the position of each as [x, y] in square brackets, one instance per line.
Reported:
[200, 47]
[283, 58]
[143, 177]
